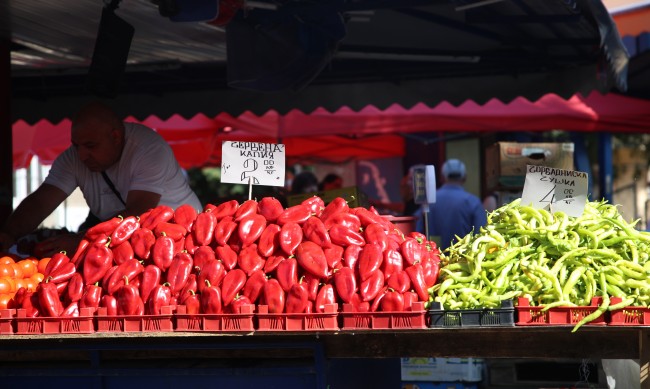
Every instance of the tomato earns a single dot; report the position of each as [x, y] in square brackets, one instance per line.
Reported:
[29, 267]
[42, 264]
[7, 285]
[4, 300]
[6, 270]
[6, 260]
[20, 283]
[18, 271]
[37, 277]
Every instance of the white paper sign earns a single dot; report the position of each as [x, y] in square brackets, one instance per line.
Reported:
[254, 162]
[555, 189]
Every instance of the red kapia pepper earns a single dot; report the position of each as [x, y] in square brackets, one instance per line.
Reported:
[212, 271]
[315, 205]
[185, 216]
[123, 252]
[399, 281]
[226, 255]
[163, 251]
[142, 241]
[48, 299]
[297, 298]
[344, 236]
[124, 230]
[268, 241]
[91, 297]
[104, 228]
[226, 209]
[231, 284]
[272, 263]
[372, 285]
[224, 229]
[250, 228]
[290, 237]
[75, 289]
[56, 261]
[375, 233]
[314, 230]
[109, 302]
[351, 256]
[203, 229]
[296, 214]
[287, 273]
[62, 273]
[97, 261]
[126, 271]
[338, 205]
[254, 285]
[345, 283]
[417, 281]
[179, 271]
[393, 301]
[249, 260]
[202, 256]
[175, 231]
[270, 208]
[128, 298]
[370, 259]
[246, 209]
[192, 303]
[334, 256]
[211, 299]
[412, 251]
[325, 296]
[311, 258]
[151, 277]
[274, 296]
[160, 214]
[161, 296]
[392, 262]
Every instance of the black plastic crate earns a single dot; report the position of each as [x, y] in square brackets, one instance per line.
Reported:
[504, 316]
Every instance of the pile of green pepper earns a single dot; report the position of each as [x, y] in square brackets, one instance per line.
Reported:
[550, 258]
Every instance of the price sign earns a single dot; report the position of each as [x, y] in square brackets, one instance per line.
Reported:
[555, 189]
[252, 162]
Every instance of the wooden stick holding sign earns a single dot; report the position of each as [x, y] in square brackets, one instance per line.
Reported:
[555, 189]
[252, 163]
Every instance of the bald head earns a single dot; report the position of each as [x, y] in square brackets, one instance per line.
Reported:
[98, 135]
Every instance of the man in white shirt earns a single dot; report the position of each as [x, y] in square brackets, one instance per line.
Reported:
[105, 152]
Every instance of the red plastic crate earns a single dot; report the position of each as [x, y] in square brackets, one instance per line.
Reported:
[405, 320]
[82, 324]
[7, 323]
[135, 323]
[226, 322]
[528, 315]
[316, 321]
[629, 316]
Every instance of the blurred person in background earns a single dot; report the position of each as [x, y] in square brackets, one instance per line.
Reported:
[121, 168]
[304, 182]
[456, 212]
[331, 181]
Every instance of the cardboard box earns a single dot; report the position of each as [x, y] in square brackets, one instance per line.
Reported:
[354, 196]
[442, 369]
[505, 162]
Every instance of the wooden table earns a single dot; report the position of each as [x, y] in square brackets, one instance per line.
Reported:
[597, 342]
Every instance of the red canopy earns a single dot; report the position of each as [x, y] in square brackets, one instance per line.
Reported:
[367, 134]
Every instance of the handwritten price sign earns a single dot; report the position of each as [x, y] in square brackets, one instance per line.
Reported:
[555, 189]
[252, 162]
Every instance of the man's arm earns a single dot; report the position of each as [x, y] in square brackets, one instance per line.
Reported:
[139, 202]
[30, 213]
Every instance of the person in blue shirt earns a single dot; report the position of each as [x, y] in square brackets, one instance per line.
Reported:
[456, 212]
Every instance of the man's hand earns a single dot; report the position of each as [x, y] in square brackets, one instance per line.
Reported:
[55, 244]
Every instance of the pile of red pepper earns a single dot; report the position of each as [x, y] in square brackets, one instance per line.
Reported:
[294, 260]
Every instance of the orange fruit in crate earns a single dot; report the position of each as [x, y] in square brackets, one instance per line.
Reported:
[29, 267]
[7, 285]
[6, 270]
[4, 300]
[18, 271]
[42, 264]
[6, 260]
